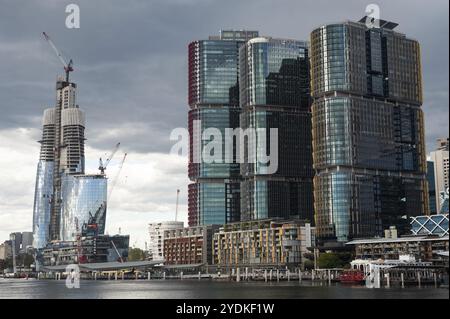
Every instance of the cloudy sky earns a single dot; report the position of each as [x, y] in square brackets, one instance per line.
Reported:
[131, 70]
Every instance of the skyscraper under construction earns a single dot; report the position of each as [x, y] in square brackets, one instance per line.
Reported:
[65, 199]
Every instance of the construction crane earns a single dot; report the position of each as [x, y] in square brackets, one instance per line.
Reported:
[68, 67]
[114, 181]
[176, 207]
[102, 165]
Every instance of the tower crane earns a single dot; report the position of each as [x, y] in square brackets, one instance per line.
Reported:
[68, 67]
[102, 165]
[114, 181]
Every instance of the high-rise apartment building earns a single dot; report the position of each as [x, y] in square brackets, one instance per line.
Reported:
[214, 194]
[368, 131]
[274, 95]
[439, 157]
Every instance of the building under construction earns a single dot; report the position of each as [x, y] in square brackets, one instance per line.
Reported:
[67, 201]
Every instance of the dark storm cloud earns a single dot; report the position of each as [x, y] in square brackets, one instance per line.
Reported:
[131, 60]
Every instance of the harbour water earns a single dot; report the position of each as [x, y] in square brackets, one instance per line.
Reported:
[191, 289]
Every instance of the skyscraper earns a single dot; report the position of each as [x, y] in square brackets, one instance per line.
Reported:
[439, 157]
[65, 199]
[274, 94]
[214, 195]
[368, 131]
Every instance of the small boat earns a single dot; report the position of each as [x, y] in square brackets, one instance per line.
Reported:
[352, 277]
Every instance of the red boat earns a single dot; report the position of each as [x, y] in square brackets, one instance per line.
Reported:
[352, 277]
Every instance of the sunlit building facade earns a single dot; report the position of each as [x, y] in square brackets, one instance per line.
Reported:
[368, 131]
[274, 94]
[83, 204]
[214, 103]
[61, 156]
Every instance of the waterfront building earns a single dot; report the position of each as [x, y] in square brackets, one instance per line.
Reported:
[91, 249]
[190, 245]
[439, 157]
[368, 130]
[424, 248]
[430, 225]
[214, 194]
[263, 243]
[156, 233]
[274, 94]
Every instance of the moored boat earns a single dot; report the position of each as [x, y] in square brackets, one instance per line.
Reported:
[352, 277]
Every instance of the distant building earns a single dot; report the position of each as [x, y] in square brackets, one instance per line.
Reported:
[6, 250]
[263, 243]
[431, 187]
[22, 241]
[156, 234]
[440, 159]
[16, 239]
[27, 241]
[188, 246]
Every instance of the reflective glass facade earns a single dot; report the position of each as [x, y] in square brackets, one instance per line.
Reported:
[213, 202]
[214, 100]
[42, 203]
[83, 202]
[221, 118]
[430, 225]
[274, 94]
[274, 72]
[368, 131]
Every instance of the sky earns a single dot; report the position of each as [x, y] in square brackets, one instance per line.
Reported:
[130, 61]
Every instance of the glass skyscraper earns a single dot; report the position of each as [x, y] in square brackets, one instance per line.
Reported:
[64, 196]
[274, 94]
[214, 194]
[368, 131]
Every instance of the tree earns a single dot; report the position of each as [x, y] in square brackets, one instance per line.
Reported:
[334, 260]
[136, 254]
[27, 260]
[6, 263]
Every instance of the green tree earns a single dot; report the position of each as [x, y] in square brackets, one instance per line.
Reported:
[136, 254]
[6, 263]
[334, 260]
[27, 260]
